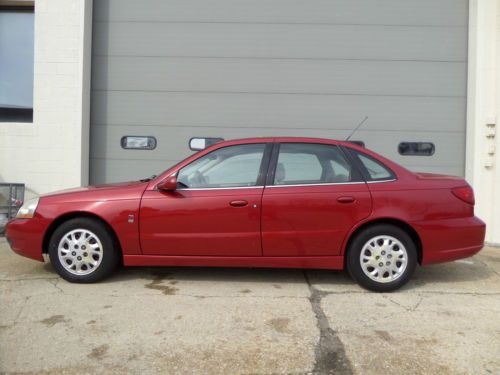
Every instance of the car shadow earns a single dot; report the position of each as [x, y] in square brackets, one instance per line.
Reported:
[468, 270]
[212, 274]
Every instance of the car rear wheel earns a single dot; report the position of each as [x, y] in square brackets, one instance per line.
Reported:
[382, 258]
[82, 250]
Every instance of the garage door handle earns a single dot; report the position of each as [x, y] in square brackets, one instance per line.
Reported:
[345, 199]
[238, 203]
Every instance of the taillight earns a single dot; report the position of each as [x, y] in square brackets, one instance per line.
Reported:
[464, 193]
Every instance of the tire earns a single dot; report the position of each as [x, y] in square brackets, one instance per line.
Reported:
[382, 258]
[83, 250]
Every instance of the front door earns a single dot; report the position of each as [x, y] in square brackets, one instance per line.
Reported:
[312, 200]
[215, 210]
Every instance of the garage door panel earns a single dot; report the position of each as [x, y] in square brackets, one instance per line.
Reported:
[449, 148]
[381, 12]
[172, 142]
[174, 69]
[308, 41]
[280, 76]
[279, 111]
[452, 171]
[113, 170]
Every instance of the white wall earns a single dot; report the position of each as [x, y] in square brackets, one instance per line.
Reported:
[483, 111]
[52, 152]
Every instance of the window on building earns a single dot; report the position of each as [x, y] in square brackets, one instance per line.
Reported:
[16, 61]
[138, 142]
[416, 148]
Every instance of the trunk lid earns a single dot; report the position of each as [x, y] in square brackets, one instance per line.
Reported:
[436, 176]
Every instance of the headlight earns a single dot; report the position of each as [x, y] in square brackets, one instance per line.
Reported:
[27, 210]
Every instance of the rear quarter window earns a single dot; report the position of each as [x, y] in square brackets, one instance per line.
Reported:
[372, 169]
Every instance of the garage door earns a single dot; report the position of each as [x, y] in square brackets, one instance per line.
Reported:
[176, 69]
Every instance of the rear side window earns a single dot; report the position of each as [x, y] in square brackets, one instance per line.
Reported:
[297, 167]
[372, 169]
[310, 163]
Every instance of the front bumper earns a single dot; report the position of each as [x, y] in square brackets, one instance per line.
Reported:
[25, 237]
[451, 239]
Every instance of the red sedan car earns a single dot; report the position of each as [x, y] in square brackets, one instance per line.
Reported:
[261, 202]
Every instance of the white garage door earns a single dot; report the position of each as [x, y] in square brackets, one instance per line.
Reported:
[175, 69]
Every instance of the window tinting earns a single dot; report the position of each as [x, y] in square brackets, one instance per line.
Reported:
[373, 169]
[416, 148]
[306, 163]
[16, 63]
[233, 166]
[297, 167]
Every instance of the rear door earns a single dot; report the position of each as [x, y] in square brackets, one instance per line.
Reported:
[313, 197]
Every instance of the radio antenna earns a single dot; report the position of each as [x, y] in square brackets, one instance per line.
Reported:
[356, 128]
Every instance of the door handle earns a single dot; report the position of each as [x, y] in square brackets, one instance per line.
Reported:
[346, 199]
[238, 203]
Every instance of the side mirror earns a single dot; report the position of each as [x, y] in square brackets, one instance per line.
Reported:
[168, 184]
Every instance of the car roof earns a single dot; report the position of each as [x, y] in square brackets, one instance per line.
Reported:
[285, 139]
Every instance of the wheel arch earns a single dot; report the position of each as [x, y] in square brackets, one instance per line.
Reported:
[387, 220]
[74, 215]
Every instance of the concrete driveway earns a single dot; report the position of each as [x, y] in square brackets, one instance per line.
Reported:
[258, 321]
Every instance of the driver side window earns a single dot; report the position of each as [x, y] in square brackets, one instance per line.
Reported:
[233, 166]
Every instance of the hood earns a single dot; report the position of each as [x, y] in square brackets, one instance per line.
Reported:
[104, 191]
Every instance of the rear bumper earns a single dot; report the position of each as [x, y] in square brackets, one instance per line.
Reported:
[451, 239]
[25, 237]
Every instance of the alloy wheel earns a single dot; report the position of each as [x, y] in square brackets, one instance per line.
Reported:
[383, 259]
[80, 252]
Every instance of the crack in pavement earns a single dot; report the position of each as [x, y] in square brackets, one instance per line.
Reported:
[29, 279]
[330, 356]
[409, 309]
[21, 309]
[56, 281]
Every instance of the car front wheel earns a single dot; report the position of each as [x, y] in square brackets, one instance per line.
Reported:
[382, 258]
[82, 250]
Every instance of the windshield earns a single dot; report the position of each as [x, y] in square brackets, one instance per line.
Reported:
[171, 167]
